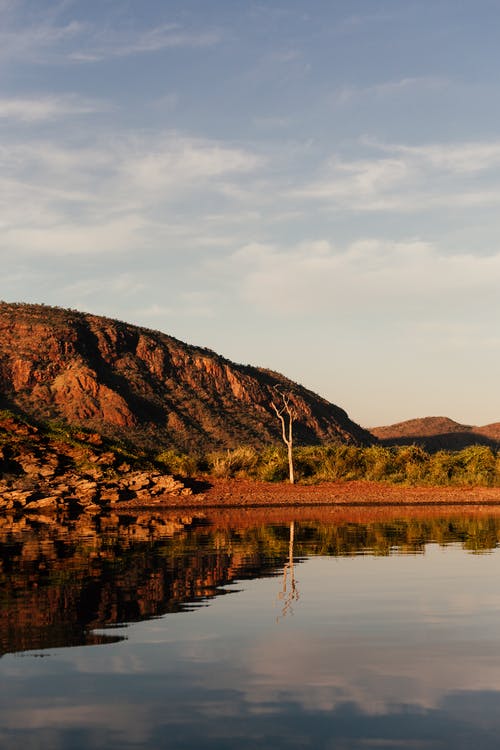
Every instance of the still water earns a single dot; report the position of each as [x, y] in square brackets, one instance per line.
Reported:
[311, 629]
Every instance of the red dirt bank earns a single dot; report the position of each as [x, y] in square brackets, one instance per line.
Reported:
[246, 493]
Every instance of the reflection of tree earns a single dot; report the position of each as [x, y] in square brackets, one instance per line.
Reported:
[289, 593]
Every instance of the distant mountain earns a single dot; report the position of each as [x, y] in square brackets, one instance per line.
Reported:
[436, 433]
[148, 387]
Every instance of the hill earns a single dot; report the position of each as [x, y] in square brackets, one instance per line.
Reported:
[147, 387]
[438, 433]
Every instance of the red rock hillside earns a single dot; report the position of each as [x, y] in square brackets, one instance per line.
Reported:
[437, 433]
[147, 387]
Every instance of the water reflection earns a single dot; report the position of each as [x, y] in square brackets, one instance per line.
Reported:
[290, 591]
[59, 582]
[395, 642]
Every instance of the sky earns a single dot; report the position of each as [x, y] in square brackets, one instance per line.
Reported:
[310, 186]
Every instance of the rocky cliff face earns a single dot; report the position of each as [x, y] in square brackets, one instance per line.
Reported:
[126, 381]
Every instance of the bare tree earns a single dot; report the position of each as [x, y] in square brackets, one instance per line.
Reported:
[286, 413]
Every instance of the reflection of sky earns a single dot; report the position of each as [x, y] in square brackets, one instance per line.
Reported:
[392, 652]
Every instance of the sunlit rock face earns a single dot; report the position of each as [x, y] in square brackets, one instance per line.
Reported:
[126, 381]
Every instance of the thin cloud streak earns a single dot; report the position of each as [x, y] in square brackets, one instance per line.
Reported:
[169, 36]
[58, 195]
[391, 88]
[43, 38]
[409, 178]
[40, 43]
[300, 279]
[42, 108]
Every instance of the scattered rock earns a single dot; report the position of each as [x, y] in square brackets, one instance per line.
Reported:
[44, 502]
[106, 459]
[111, 495]
[51, 474]
[19, 497]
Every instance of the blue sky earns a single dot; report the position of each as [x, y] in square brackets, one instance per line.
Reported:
[307, 186]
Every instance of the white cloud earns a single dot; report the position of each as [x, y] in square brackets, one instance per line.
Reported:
[460, 337]
[39, 42]
[122, 283]
[41, 108]
[116, 193]
[195, 304]
[409, 178]
[315, 276]
[102, 45]
[271, 123]
[391, 88]
[359, 184]
[459, 158]
[41, 35]
[65, 239]
[176, 160]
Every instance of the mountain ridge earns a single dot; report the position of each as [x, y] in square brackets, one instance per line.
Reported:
[133, 382]
[436, 433]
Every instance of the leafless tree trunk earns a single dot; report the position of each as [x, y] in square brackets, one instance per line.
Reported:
[287, 434]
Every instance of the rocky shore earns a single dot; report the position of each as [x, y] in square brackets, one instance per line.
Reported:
[76, 474]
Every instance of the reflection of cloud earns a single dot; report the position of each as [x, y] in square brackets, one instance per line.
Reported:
[463, 719]
[371, 664]
[371, 673]
[132, 721]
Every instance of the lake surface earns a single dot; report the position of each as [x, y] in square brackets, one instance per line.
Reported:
[280, 629]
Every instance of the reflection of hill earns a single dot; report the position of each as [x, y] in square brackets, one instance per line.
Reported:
[58, 583]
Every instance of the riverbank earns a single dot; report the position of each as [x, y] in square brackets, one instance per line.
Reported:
[245, 493]
[55, 471]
